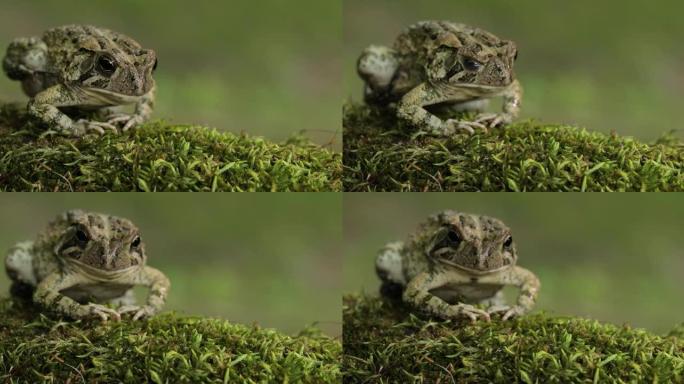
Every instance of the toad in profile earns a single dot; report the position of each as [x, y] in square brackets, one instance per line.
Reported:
[74, 70]
[443, 65]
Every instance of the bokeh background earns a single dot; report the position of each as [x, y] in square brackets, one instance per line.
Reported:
[612, 257]
[268, 67]
[607, 66]
[270, 259]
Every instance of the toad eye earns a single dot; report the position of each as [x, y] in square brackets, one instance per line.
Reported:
[508, 242]
[136, 242]
[453, 238]
[154, 67]
[106, 66]
[516, 56]
[82, 236]
[471, 64]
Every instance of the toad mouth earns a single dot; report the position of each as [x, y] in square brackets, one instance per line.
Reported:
[101, 274]
[470, 270]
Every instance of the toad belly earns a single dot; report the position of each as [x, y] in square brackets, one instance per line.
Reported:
[466, 293]
[96, 292]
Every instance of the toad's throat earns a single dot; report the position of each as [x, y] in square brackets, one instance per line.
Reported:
[101, 274]
[471, 270]
[472, 90]
[103, 97]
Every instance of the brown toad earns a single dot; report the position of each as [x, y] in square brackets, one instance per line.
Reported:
[74, 69]
[454, 265]
[440, 65]
[84, 260]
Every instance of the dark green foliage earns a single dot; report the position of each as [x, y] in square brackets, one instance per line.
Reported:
[383, 342]
[166, 349]
[381, 155]
[159, 157]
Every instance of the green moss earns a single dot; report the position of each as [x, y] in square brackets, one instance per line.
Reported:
[381, 155]
[165, 349]
[159, 157]
[678, 332]
[383, 342]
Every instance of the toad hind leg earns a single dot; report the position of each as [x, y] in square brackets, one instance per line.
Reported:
[19, 263]
[19, 268]
[377, 66]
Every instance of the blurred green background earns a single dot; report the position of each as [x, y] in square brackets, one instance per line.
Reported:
[612, 257]
[268, 67]
[608, 66]
[271, 259]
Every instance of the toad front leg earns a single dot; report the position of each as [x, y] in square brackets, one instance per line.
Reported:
[45, 108]
[526, 281]
[143, 111]
[418, 294]
[512, 98]
[158, 285]
[48, 294]
[411, 109]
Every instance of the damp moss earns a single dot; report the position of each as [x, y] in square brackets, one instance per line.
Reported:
[382, 155]
[165, 349]
[385, 343]
[159, 157]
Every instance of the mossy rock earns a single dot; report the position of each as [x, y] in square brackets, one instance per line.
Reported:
[380, 154]
[158, 157]
[165, 349]
[384, 342]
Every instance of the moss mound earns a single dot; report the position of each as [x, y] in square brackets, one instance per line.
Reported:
[383, 342]
[159, 157]
[380, 155]
[166, 349]
[677, 331]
